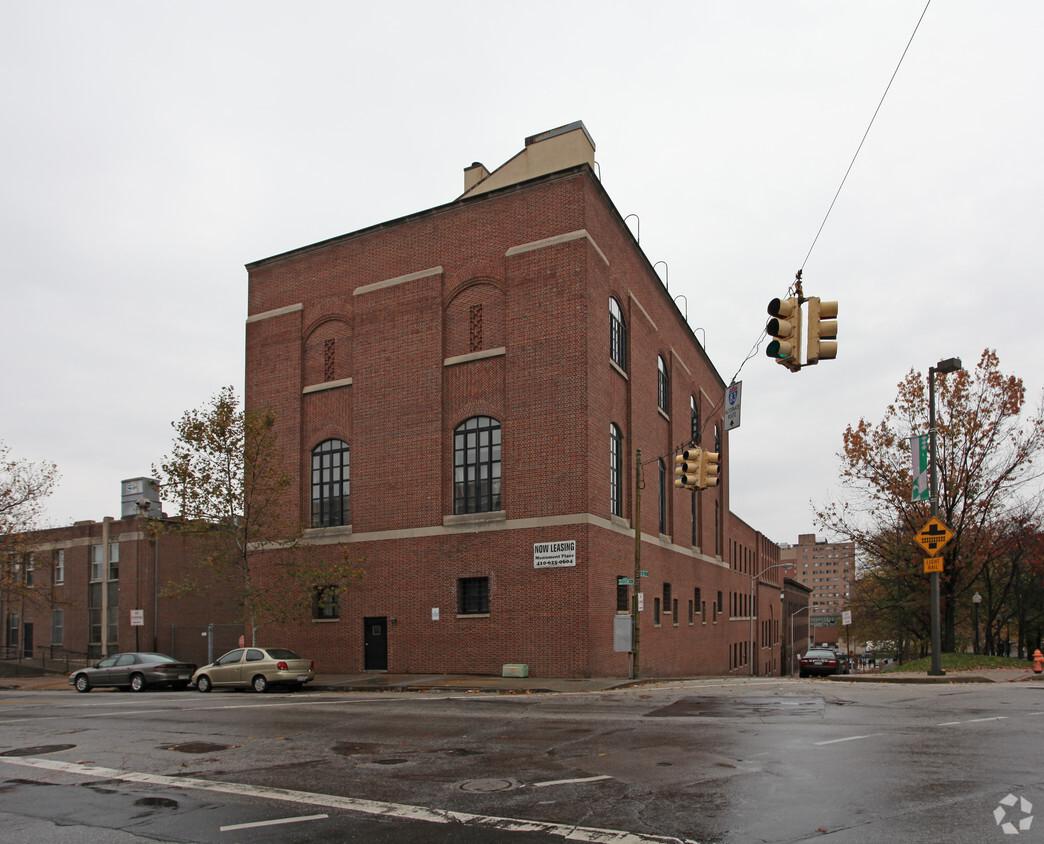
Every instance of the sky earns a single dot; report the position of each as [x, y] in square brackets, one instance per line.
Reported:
[150, 150]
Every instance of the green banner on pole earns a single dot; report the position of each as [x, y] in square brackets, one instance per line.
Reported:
[919, 468]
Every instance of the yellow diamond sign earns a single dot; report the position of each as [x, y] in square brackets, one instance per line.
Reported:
[933, 536]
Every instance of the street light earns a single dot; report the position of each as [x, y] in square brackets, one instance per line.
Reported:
[943, 366]
[976, 600]
[793, 650]
[753, 580]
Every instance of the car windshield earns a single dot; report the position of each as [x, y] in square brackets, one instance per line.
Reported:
[820, 653]
[281, 653]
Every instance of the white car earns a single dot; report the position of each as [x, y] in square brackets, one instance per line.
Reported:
[257, 669]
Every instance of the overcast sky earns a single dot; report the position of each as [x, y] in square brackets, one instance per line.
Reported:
[150, 150]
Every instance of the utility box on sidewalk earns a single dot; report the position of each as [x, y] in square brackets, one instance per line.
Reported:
[515, 670]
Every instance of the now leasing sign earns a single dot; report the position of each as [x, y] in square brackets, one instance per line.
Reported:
[553, 555]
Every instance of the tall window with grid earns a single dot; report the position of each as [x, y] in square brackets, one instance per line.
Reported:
[476, 466]
[330, 484]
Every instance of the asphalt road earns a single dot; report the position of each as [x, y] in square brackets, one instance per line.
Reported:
[722, 760]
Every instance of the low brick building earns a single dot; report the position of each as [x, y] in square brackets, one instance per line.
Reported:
[462, 394]
[94, 588]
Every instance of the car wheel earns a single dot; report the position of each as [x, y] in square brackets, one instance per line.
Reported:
[82, 683]
[137, 683]
[260, 684]
[203, 683]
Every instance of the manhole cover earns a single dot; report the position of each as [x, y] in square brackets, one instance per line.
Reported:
[200, 747]
[486, 785]
[36, 751]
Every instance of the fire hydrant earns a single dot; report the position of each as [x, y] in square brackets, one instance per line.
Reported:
[1038, 661]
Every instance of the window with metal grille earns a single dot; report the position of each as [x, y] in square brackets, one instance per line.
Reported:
[663, 385]
[473, 596]
[325, 604]
[617, 335]
[476, 466]
[615, 470]
[623, 598]
[331, 476]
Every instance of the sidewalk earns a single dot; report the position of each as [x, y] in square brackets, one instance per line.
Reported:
[383, 682]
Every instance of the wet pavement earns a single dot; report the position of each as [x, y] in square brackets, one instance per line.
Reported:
[385, 682]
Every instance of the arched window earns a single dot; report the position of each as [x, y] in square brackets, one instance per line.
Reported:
[663, 385]
[476, 465]
[617, 335]
[330, 484]
[615, 470]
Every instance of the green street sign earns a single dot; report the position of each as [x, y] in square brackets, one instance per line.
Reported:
[625, 581]
[644, 573]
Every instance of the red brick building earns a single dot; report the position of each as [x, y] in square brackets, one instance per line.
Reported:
[462, 393]
[68, 593]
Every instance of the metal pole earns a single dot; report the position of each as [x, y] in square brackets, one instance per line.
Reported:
[636, 627]
[976, 598]
[933, 497]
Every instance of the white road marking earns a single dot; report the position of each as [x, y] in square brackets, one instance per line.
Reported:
[972, 721]
[351, 804]
[570, 782]
[277, 822]
[850, 738]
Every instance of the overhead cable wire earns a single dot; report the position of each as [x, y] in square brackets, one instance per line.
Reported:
[867, 132]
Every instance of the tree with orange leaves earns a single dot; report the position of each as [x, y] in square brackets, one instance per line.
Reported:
[988, 442]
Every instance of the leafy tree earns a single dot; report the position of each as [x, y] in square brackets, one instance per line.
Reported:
[988, 443]
[225, 474]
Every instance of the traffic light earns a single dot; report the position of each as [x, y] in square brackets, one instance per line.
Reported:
[785, 327]
[709, 469]
[822, 326]
[687, 468]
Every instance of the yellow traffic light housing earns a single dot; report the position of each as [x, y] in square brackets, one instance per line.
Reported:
[687, 469]
[822, 330]
[709, 468]
[785, 328]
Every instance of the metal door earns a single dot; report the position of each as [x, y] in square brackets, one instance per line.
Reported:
[375, 642]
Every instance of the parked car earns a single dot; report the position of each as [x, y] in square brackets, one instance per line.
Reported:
[820, 662]
[135, 671]
[257, 669]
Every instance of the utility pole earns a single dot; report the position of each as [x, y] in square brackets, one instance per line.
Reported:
[636, 634]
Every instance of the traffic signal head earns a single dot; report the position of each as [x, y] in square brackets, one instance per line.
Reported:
[687, 468]
[822, 330]
[785, 329]
[709, 469]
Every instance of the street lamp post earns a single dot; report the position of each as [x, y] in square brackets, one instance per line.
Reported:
[793, 649]
[753, 580]
[943, 366]
[976, 600]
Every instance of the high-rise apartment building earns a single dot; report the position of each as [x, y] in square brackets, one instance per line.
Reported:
[828, 569]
